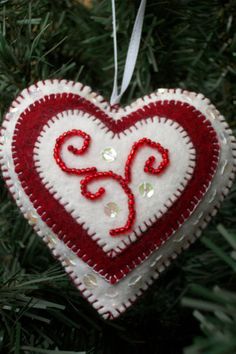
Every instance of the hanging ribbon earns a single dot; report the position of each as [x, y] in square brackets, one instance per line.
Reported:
[131, 54]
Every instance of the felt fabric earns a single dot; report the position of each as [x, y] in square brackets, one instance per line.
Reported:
[66, 188]
[114, 284]
[64, 225]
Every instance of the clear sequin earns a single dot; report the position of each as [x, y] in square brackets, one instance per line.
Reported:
[109, 154]
[35, 92]
[211, 113]
[212, 197]
[12, 112]
[32, 216]
[198, 218]
[195, 222]
[111, 293]
[13, 109]
[179, 238]
[224, 165]
[190, 96]
[52, 239]
[146, 190]
[73, 259]
[223, 137]
[135, 281]
[90, 281]
[92, 97]
[111, 209]
[70, 259]
[155, 262]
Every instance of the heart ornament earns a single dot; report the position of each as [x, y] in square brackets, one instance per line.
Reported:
[116, 193]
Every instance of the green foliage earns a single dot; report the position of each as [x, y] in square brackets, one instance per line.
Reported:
[188, 44]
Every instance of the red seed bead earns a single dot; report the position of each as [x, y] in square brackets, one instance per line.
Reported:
[109, 174]
[58, 147]
[92, 173]
[148, 165]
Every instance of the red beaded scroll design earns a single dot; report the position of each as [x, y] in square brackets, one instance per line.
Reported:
[93, 174]
[148, 167]
[131, 202]
[57, 151]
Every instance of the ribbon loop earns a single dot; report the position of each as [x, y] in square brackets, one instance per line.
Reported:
[132, 53]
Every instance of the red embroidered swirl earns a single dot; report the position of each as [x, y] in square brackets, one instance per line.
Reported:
[93, 174]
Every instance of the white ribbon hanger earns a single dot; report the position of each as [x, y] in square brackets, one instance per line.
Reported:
[132, 53]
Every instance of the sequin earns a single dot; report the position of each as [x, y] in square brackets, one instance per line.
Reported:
[211, 113]
[13, 109]
[90, 281]
[12, 112]
[146, 190]
[223, 137]
[32, 216]
[179, 238]
[70, 260]
[109, 154]
[35, 92]
[212, 197]
[52, 239]
[157, 259]
[94, 196]
[190, 96]
[92, 97]
[111, 293]
[135, 281]
[224, 165]
[111, 209]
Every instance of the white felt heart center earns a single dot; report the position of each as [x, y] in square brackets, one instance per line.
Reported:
[154, 194]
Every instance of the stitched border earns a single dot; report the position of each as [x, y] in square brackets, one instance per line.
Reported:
[160, 267]
[140, 229]
[209, 215]
[120, 125]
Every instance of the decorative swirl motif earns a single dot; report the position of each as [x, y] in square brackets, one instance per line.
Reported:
[93, 174]
[100, 175]
[57, 151]
[148, 167]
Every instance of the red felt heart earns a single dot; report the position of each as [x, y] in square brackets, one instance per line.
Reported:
[27, 131]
